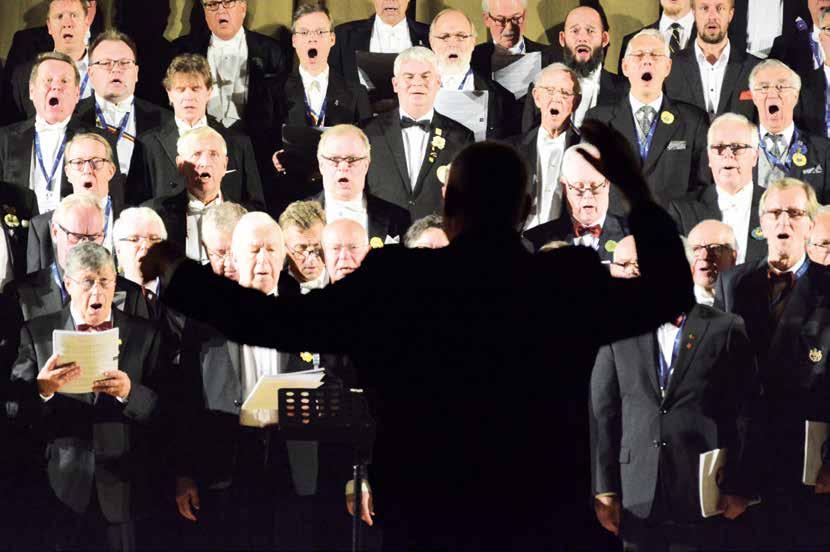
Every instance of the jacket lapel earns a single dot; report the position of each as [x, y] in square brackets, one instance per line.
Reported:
[755, 248]
[413, 35]
[691, 74]
[20, 155]
[295, 100]
[647, 344]
[662, 134]
[394, 139]
[428, 166]
[623, 121]
[363, 35]
[168, 137]
[692, 334]
[730, 79]
[336, 107]
[235, 354]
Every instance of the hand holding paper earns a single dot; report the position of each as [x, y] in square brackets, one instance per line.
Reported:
[54, 375]
[93, 354]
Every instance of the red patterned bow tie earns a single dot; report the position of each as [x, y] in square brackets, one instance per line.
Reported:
[581, 230]
[787, 278]
[679, 320]
[102, 327]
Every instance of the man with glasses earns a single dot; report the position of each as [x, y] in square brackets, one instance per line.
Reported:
[786, 149]
[89, 166]
[452, 37]
[217, 230]
[819, 246]
[388, 31]
[302, 225]
[733, 156]
[241, 61]
[344, 155]
[714, 251]
[670, 137]
[586, 220]
[556, 93]
[676, 24]
[79, 218]
[625, 264]
[781, 299]
[345, 244]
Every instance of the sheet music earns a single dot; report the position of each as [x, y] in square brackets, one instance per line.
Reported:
[711, 463]
[375, 71]
[516, 72]
[815, 436]
[466, 107]
[264, 394]
[94, 352]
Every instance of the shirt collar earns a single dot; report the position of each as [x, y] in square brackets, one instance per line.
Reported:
[319, 282]
[427, 117]
[124, 106]
[826, 71]
[703, 296]
[42, 126]
[637, 104]
[787, 132]
[743, 197]
[593, 78]
[543, 138]
[600, 222]
[234, 43]
[193, 201]
[721, 61]
[153, 286]
[322, 78]
[358, 204]
[519, 48]
[796, 266]
[399, 27]
[455, 78]
[184, 127]
[686, 22]
[78, 319]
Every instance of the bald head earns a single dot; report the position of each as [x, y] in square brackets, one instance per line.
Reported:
[258, 251]
[345, 244]
[625, 259]
[819, 245]
[714, 251]
[586, 189]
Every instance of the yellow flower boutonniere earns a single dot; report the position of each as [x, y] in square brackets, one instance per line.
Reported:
[11, 220]
[610, 246]
[438, 142]
[376, 243]
[307, 357]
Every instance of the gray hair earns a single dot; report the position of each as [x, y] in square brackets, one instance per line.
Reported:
[53, 56]
[223, 218]
[197, 134]
[88, 256]
[134, 215]
[448, 10]
[73, 201]
[485, 5]
[770, 63]
[415, 53]
[652, 33]
[343, 130]
[303, 215]
[559, 66]
[92, 136]
[419, 227]
[786, 184]
[751, 129]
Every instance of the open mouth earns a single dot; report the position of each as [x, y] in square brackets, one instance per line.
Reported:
[453, 56]
[205, 176]
[116, 81]
[583, 50]
[647, 76]
[773, 109]
[95, 306]
[554, 111]
[783, 236]
[343, 180]
[312, 53]
[224, 20]
[87, 185]
[53, 102]
[68, 36]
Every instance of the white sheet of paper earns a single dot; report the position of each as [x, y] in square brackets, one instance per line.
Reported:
[517, 76]
[466, 107]
[710, 463]
[264, 394]
[94, 352]
[815, 435]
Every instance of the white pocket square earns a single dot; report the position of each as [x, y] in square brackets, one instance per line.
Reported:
[389, 239]
[676, 145]
[814, 170]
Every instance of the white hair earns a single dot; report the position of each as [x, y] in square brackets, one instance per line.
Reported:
[72, 201]
[559, 66]
[415, 53]
[652, 33]
[133, 216]
[197, 134]
[751, 129]
[773, 64]
[485, 5]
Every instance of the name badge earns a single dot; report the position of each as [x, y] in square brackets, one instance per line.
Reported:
[814, 170]
[676, 145]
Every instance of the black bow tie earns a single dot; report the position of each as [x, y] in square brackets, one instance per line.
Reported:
[406, 122]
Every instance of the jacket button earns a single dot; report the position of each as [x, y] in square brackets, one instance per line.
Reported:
[656, 444]
[663, 411]
[411, 202]
[664, 444]
[237, 402]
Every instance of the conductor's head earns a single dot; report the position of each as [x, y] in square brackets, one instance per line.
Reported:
[487, 190]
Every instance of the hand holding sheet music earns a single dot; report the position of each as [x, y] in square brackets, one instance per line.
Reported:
[94, 352]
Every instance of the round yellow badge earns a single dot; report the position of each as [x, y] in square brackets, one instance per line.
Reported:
[308, 357]
[799, 160]
[610, 246]
[376, 243]
[667, 117]
[815, 355]
[11, 220]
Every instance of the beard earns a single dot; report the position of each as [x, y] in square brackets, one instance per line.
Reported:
[713, 39]
[583, 68]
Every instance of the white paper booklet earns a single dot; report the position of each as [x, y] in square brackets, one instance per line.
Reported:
[94, 352]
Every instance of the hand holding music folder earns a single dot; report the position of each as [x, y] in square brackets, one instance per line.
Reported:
[815, 439]
[94, 352]
[712, 464]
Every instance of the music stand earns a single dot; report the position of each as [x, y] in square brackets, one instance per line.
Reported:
[332, 414]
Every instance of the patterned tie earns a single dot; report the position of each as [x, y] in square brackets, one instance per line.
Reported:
[780, 286]
[580, 230]
[102, 327]
[674, 42]
[645, 118]
[775, 143]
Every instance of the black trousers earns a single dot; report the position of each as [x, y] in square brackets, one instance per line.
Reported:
[71, 531]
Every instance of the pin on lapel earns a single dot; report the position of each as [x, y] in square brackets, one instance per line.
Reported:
[610, 246]
[667, 117]
[816, 355]
[307, 357]
[336, 102]
[799, 160]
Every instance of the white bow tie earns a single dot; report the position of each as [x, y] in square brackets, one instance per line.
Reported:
[43, 126]
[196, 207]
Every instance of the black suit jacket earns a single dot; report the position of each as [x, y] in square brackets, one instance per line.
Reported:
[796, 384]
[388, 177]
[500, 122]
[18, 208]
[685, 85]
[484, 332]
[793, 45]
[677, 164]
[656, 25]
[482, 60]
[816, 170]
[614, 229]
[161, 176]
[689, 212]
[811, 111]
[646, 447]
[385, 219]
[94, 440]
[738, 26]
[355, 36]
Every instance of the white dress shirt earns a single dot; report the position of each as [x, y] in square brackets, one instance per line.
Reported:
[711, 75]
[548, 200]
[703, 296]
[83, 69]
[315, 88]
[114, 114]
[764, 21]
[519, 48]
[184, 127]
[319, 282]
[229, 64]
[666, 334]
[193, 241]
[109, 239]
[590, 94]
[462, 80]
[415, 142]
[588, 240]
[816, 36]
[390, 39]
[686, 23]
[6, 273]
[767, 173]
[353, 210]
[735, 211]
[51, 138]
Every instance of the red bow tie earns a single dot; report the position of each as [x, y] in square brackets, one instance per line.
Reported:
[679, 320]
[787, 278]
[102, 327]
[581, 230]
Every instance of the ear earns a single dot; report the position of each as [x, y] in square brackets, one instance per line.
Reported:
[53, 230]
[180, 164]
[606, 38]
[395, 84]
[562, 38]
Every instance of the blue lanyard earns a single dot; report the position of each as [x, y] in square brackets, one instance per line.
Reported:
[39, 154]
[314, 119]
[119, 132]
[58, 280]
[645, 145]
[464, 80]
[107, 212]
[666, 371]
[795, 147]
[84, 83]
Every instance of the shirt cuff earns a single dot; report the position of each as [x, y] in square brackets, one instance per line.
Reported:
[44, 398]
[125, 400]
[600, 495]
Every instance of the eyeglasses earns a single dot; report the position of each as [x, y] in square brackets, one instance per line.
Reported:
[794, 214]
[561, 92]
[715, 249]
[503, 21]
[307, 249]
[629, 267]
[218, 255]
[110, 64]
[825, 31]
[97, 163]
[136, 239]
[335, 161]
[227, 4]
[350, 248]
[767, 89]
[736, 149]
[820, 245]
[653, 56]
[457, 37]
[88, 283]
[580, 190]
[312, 34]
[77, 237]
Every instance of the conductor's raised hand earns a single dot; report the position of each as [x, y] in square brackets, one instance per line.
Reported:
[159, 259]
[275, 159]
[54, 375]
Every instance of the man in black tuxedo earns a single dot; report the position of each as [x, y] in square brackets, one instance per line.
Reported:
[79, 218]
[733, 157]
[782, 299]
[344, 155]
[676, 24]
[670, 136]
[713, 74]
[68, 24]
[819, 246]
[411, 142]
[483, 331]
[19, 206]
[811, 111]
[584, 40]
[714, 251]
[786, 150]
[241, 61]
[189, 85]
[452, 38]
[302, 225]
[756, 25]
[798, 44]
[556, 94]
[658, 401]
[586, 220]
[389, 31]
[99, 460]
[89, 166]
